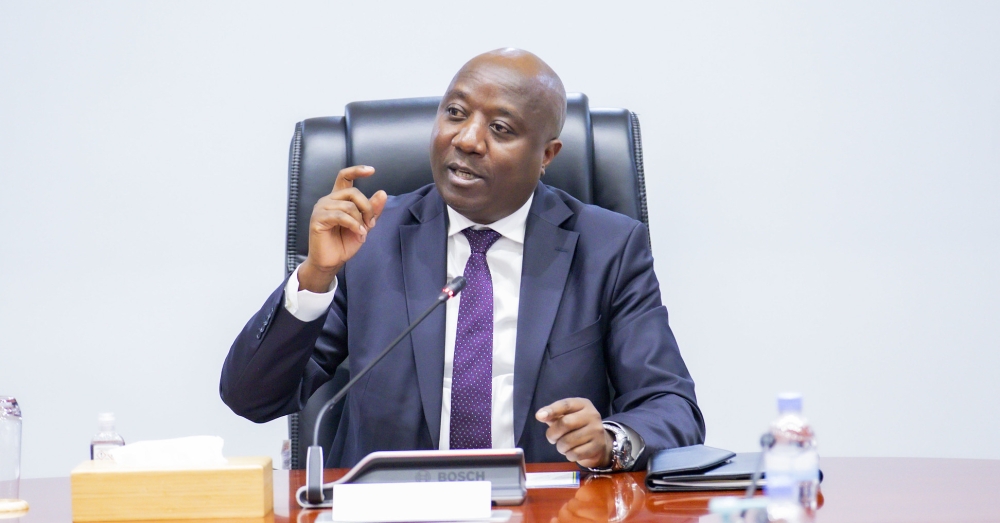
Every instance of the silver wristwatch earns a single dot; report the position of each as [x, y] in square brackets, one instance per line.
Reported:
[621, 450]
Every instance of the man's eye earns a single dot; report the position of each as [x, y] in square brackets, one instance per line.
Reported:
[453, 111]
[500, 129]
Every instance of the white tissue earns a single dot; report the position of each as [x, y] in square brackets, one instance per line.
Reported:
[189, 452]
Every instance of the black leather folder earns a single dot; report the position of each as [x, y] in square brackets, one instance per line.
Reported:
[698, 467]
[701, 468]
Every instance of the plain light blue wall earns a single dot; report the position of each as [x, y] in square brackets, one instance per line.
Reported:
[824, 180]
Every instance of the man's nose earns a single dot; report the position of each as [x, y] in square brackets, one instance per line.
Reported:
[471, 137]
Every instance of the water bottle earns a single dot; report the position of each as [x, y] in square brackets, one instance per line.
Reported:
[793, 460]
[106, 439]
[10, 447]
[783, 504]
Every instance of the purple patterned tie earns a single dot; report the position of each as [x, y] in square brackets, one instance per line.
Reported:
[472, 369]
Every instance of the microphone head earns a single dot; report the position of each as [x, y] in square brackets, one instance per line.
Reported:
[454, 287]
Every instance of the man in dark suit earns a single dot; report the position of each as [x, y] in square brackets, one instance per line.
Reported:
[559, 344]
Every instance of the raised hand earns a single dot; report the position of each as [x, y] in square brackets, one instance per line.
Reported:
[338, 227]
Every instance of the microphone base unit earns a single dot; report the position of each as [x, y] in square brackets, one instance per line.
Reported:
[503, 468]
[314, 474]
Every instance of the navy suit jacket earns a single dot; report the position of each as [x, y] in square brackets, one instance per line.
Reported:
[590, 324]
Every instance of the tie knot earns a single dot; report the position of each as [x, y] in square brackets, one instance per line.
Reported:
[480, 240]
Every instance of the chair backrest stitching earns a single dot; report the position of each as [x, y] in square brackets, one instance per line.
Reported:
[640, 171]
[291, 230]
[291, 236]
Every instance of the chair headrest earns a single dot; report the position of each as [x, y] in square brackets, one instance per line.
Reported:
[600, 162]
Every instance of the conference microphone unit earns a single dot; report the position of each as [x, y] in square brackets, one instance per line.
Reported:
[314, 457]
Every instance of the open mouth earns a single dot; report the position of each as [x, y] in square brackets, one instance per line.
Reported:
[462, 173]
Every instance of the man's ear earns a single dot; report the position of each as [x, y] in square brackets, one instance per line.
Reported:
[551, 150]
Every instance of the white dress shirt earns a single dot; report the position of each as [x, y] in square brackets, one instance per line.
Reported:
[504, 259]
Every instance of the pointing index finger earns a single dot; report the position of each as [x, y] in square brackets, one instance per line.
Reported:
[557, 410]
[346, 176]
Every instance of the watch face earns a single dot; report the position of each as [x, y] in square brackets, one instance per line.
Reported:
[621, 450]
[625, 453]
[621, 453]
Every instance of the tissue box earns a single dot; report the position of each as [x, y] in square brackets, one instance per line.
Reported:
[106, 491]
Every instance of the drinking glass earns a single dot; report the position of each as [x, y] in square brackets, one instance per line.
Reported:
[10, 447]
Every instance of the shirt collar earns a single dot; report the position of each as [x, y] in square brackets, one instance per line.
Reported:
[510, 227]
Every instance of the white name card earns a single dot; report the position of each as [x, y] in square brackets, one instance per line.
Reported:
[398, 502]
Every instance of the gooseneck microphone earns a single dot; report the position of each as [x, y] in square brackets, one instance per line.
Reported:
[314, 457]
[766, 442]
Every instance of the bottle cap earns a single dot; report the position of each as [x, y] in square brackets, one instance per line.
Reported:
[106, 420]
[9, 407]
[789, 402]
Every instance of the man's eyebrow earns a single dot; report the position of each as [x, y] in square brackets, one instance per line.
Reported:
[508, 113]
[459, 94]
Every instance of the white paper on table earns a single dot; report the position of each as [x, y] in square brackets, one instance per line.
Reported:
[497, 516]
[552, 479]
[428, 501]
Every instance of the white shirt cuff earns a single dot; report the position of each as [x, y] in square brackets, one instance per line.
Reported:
[307, 305]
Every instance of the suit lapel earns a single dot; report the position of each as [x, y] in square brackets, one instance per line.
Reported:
[423, 246]
[548, 253]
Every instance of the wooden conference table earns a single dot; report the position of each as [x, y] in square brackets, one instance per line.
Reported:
[854, 490]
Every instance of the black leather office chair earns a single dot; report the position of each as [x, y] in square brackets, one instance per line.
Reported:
[600, 163]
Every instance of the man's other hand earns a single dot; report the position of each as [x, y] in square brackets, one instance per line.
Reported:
[338, 227]
[576, 430]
